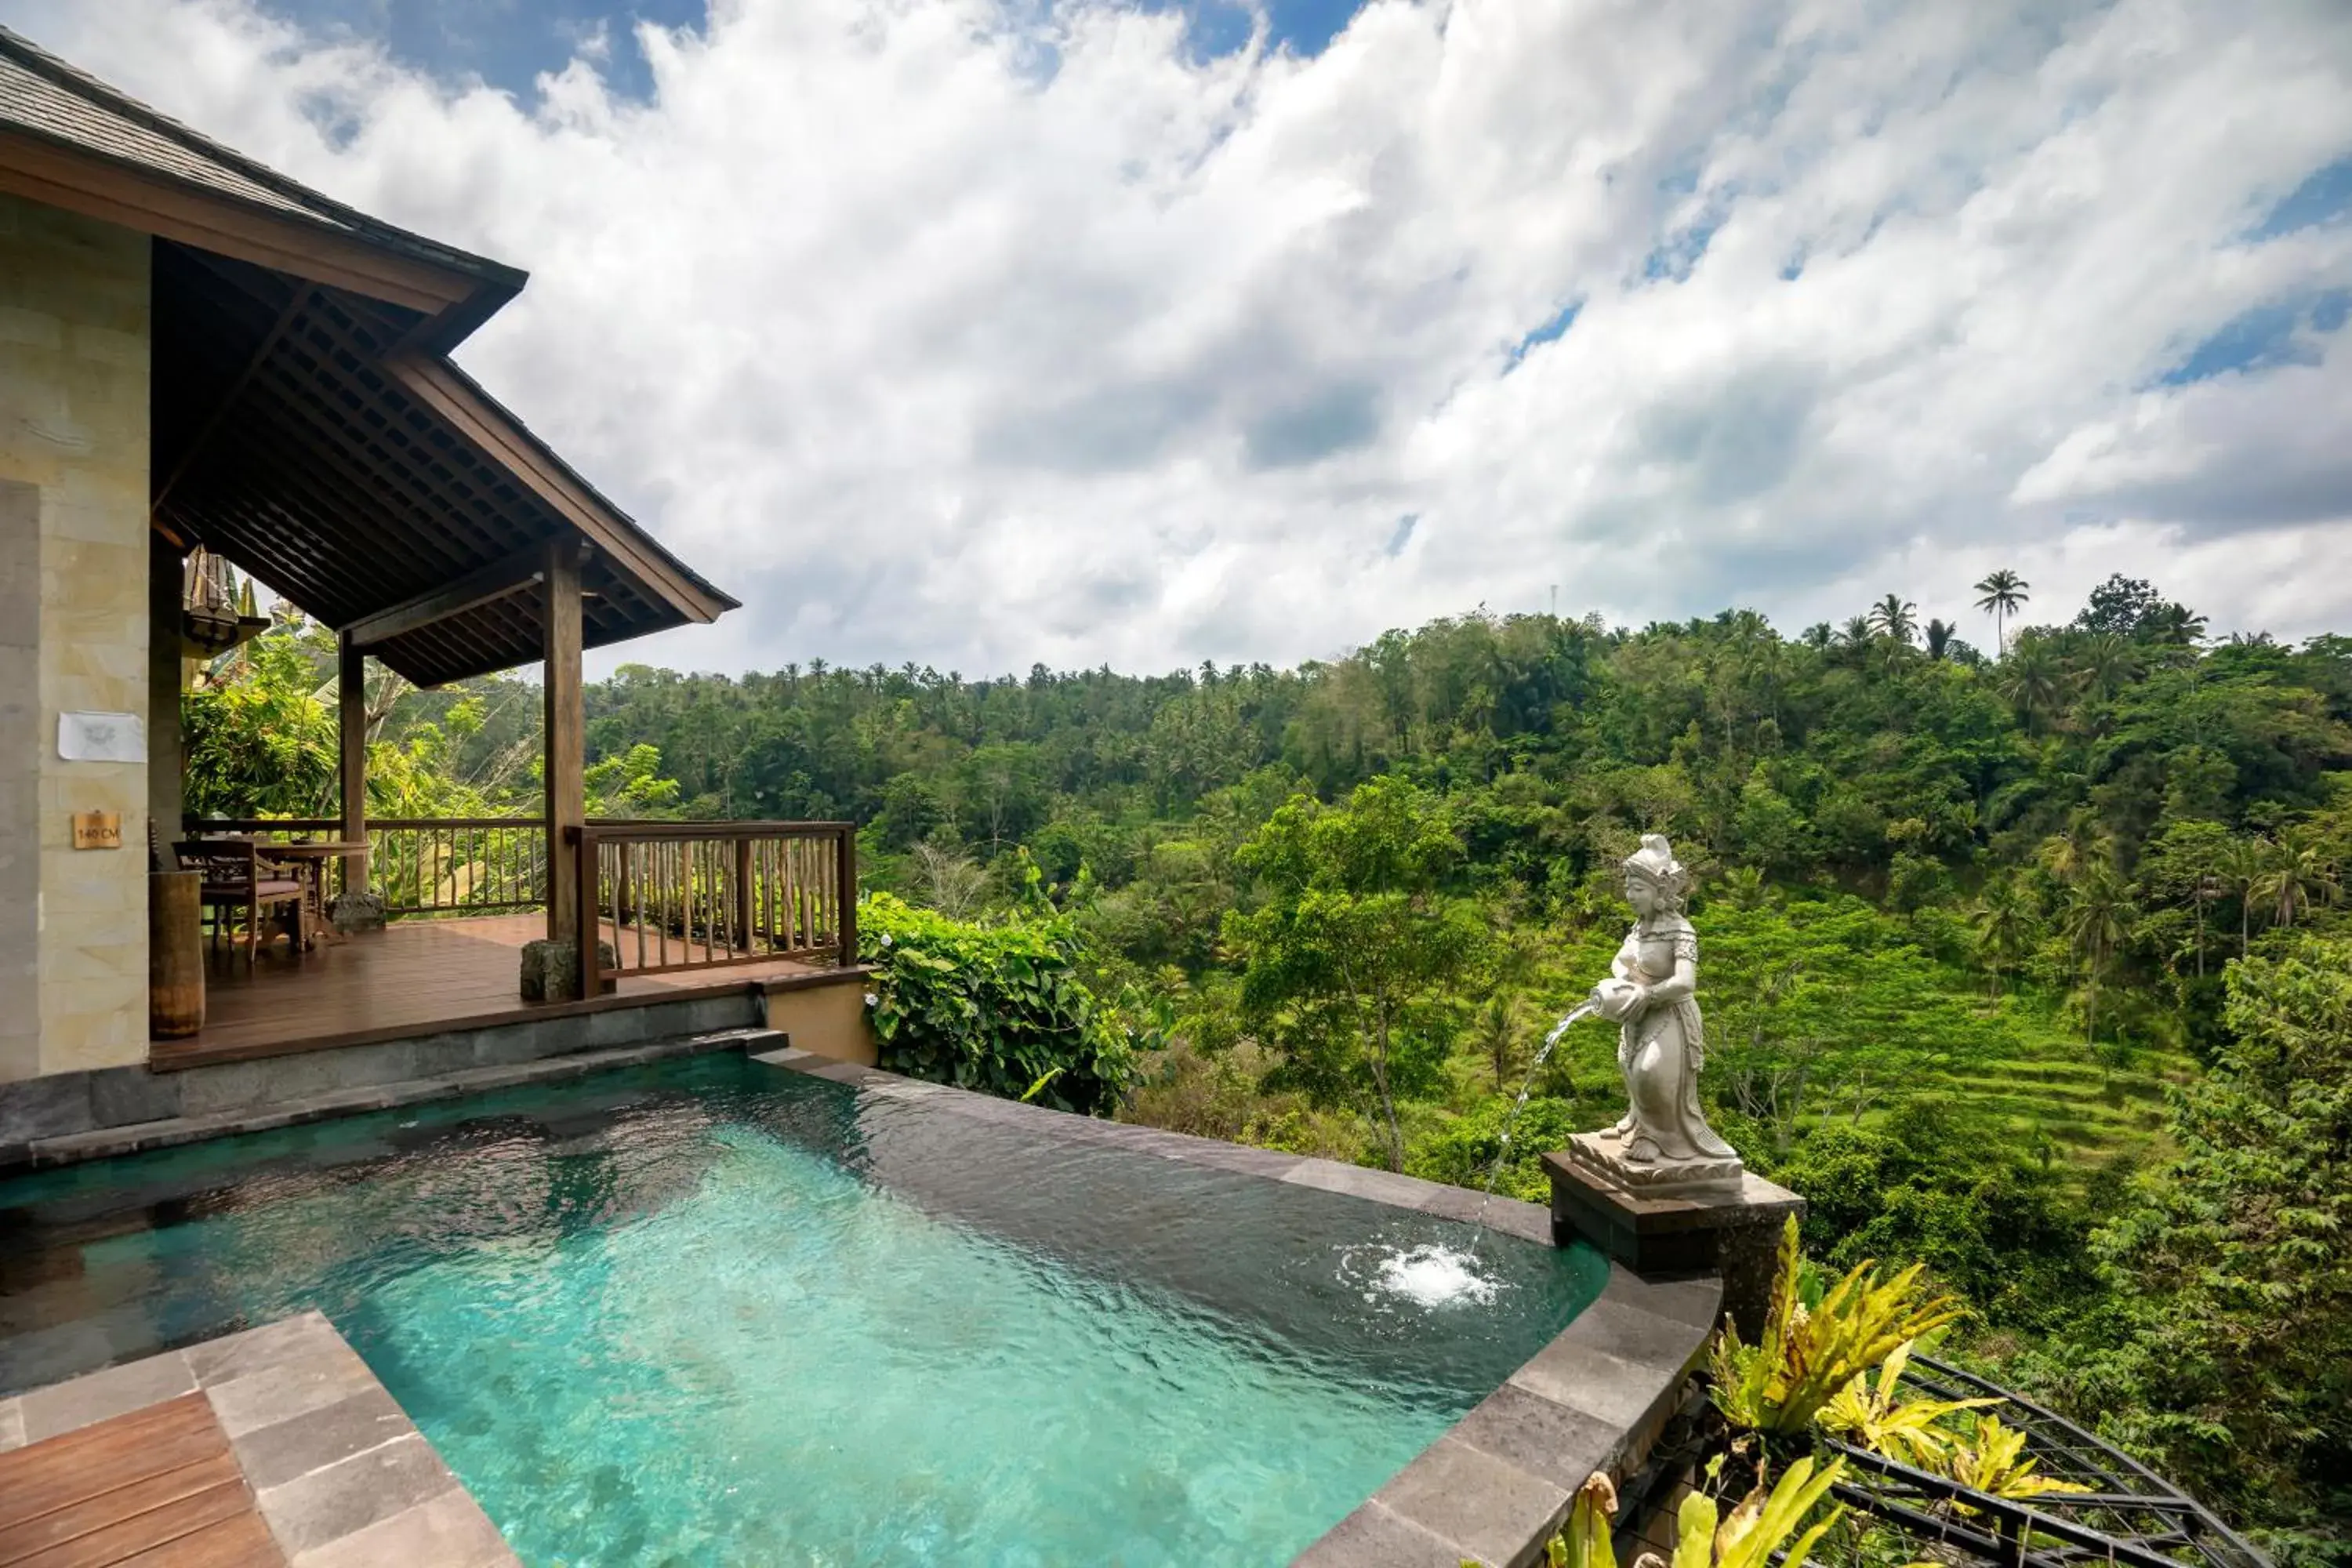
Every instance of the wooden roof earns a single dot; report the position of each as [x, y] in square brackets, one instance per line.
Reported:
[308, 425]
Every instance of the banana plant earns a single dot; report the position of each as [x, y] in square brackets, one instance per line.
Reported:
[1805, 1356]
[1867, 1412]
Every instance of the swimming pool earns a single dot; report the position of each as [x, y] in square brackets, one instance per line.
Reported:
[714, 1312]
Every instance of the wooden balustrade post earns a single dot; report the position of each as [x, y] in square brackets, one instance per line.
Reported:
[746, 939]
[350, 744]
[845, 869]
[591, 949]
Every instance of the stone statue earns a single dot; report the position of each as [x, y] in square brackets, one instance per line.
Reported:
[1663, 1142]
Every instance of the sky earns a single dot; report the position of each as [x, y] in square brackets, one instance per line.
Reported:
[981, 334]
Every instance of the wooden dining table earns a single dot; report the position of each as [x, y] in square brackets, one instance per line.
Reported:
[312, 855]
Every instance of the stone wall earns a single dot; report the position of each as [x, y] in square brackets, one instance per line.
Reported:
[830, 1020]
[73, 355]
[165, 755]
[20, 780]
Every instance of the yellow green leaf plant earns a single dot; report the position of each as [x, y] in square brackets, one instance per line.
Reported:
[1763, 1529]
[1866, 1412]
[1779, 1385]
[1992, 1459]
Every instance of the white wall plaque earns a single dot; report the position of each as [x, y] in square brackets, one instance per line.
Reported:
[102, 738]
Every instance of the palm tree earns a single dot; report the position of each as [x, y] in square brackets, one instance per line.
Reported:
[2174, 626]
[2077, 849]
[2295, 873]
[2004, 594]
[2035, 684]
[2242, 866]
[1498, 1033]
[1895, 617]
[1939, 638]
[2203, 863]
[2108, 663]
[2097, 919]
[2004, 922]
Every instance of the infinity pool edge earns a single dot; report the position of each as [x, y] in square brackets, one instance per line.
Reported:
[1497, 1485]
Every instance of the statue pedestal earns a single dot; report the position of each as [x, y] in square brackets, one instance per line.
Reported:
[1602, 1154]
[1728, 1226]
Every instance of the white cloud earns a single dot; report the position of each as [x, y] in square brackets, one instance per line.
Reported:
[939, 331]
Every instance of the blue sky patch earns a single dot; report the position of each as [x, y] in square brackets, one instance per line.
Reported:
[2323, 197]
[509, 43]
[2265, 336]
[1675, 257]
[1403, 534]
[1552, 330]
[1223, 26]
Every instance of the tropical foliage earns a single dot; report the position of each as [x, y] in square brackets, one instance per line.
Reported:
[1783, 1526]
[1810, 1354]
[999, 1007]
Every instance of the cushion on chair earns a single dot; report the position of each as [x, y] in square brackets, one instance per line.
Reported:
[236, 892]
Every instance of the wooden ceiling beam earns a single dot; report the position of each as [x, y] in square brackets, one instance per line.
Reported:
[492, 583]
[442, 388]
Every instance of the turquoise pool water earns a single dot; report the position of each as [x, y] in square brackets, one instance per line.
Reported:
[719, 1313]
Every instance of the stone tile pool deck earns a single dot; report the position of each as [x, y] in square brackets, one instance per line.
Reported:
[337, 1472]
[329, 1451]
[1497, 1486]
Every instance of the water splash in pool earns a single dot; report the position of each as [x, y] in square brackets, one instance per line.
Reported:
[1433, 1276]
[1429, 1275]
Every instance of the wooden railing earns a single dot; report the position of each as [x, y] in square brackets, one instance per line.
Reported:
[429, 865]
[666, 896]
[671, 896]
[462, 865]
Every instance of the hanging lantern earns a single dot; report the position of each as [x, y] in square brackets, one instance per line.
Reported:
[216, 612]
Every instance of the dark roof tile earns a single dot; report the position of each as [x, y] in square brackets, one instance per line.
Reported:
[44, 95]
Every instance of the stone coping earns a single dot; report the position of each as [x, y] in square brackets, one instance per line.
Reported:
[171, 1132]
[1498, 1485]
[341, 1475]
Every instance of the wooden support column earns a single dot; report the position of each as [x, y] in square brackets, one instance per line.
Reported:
[846, 868]
[350, 718]
[567, 807]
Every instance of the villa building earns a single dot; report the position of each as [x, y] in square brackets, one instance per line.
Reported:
[197, 352]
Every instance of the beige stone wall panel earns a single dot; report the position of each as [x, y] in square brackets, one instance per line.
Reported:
[74, 336]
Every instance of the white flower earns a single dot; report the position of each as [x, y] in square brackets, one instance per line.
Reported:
[885, 939]
[872, 1000]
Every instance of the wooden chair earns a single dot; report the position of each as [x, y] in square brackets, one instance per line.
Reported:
[239, 876]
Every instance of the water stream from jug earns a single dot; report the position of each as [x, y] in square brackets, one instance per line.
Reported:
[1511, 1122]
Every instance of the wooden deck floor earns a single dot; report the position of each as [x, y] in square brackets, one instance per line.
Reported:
[158, 1488]
[414, 977]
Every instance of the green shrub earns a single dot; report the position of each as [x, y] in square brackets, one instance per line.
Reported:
[999, 1007]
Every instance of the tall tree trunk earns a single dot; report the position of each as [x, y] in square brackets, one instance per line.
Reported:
[1380, 1083]
[2201, 928]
